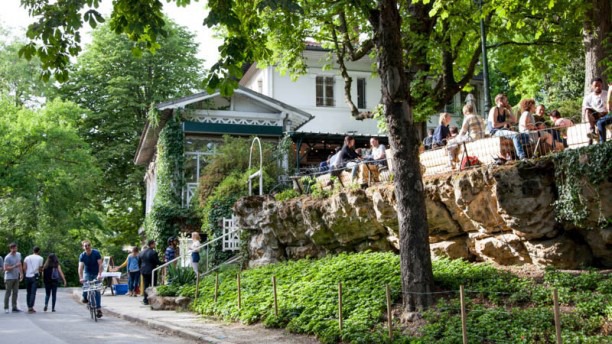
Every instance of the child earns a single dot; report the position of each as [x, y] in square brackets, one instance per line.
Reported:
[195, 251]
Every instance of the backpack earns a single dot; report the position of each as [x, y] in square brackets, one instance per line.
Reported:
[55, 274]
[469, 161]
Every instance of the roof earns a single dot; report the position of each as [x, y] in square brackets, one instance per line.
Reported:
[148, 139]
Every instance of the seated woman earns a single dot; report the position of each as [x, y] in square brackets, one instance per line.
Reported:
[473, 128]
[527, 123]
[442, 132]
[540, 117]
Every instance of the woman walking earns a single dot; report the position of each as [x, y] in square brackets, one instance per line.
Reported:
[52, 273]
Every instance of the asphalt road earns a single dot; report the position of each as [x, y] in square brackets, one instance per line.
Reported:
[71, 323]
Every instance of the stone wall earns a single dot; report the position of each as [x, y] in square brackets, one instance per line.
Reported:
[501, 214]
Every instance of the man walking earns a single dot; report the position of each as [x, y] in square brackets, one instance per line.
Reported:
[90, 269]
[32, 265]
[149, 260]
[13, 273]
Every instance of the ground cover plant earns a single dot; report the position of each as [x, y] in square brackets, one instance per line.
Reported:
[501, 307]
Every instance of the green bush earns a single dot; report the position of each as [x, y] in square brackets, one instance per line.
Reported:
[502, 308]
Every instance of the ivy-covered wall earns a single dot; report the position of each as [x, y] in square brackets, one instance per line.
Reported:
[167, 217]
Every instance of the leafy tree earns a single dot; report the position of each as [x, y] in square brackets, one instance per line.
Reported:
[47, 179]
[18, 77]
[118, 88]
[416, 43]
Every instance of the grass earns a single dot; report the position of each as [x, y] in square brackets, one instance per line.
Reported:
[501, 307]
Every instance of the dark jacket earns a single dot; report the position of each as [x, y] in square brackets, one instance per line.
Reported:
[346, 154]
[149, 260]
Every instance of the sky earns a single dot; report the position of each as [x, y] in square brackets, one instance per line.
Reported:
[16, 18]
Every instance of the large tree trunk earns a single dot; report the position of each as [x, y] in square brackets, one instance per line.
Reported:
[597, 23]
[415, 259]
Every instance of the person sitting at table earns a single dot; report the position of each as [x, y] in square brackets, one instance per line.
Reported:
[527, 123]
[347, 156]
[378, 152]
[560, 125]
[500, 124]
[442, 132]
[473, 128]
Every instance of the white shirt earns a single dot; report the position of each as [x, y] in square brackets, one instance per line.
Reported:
[596, 102]
[33, 264]
[379, 153]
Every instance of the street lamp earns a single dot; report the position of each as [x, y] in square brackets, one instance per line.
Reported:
[485, 64]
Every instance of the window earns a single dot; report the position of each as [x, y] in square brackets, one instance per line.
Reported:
[325, 91]
[260, 86]
[361, 93]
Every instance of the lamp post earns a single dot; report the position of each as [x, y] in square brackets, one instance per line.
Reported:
[485, 64]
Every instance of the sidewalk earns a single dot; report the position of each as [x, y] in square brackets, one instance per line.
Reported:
[191, 326]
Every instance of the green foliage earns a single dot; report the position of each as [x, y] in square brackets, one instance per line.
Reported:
[577, 170]
[501, 307]
[225, 179]
[168, 216]
[48, 177]
[180, 275]
[119, 89]
[286, 195]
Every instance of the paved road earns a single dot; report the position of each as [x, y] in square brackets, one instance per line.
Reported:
[71, 324]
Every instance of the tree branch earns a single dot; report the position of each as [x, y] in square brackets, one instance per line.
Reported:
[501, 44]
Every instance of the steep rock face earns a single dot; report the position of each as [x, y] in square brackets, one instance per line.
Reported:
[500, 214]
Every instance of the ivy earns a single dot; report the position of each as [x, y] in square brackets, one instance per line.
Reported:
[168, 216]
[575, 171]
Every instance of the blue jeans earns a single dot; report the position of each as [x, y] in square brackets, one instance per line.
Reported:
[133, 280]
[518, 139]
[31, 286]
[89, 277]
[601, 126]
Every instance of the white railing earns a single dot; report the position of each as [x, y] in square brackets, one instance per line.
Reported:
[188, 192]
[231, 242]
[199, 248]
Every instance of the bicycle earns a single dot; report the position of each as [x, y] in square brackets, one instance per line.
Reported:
[91, 288]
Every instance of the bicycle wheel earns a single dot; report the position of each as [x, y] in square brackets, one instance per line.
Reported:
[92, 305]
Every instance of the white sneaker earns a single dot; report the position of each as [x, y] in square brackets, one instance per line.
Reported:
[6, 311]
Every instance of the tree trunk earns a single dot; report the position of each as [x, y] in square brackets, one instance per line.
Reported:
[415, 259]
[597, 23]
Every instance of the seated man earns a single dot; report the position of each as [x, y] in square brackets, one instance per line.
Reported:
[501, 120]
[605, 120]
[594, 109]
[378, 153]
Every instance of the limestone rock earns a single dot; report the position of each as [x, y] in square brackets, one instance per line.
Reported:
[455, 248]
[504, 249]
[502, 214]
[561, 252]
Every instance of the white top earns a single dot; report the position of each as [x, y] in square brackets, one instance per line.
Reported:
[33, 264]
[378, 153]
[195, 244]
[526, 118]
[596, 102]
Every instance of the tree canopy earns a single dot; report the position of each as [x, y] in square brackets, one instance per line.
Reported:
[118, 88]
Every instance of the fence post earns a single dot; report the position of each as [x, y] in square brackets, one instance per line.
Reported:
[389, 313]
[197, 283]
[216, 285]
[239, 296]
[275, 299]
[463, 317]
[340, 306]
[557, 316]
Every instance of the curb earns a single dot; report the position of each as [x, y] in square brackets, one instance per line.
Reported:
[156, 325]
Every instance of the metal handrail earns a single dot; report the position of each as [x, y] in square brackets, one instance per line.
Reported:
[208, 243]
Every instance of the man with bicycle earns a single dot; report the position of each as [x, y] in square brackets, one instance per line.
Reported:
[90, 269]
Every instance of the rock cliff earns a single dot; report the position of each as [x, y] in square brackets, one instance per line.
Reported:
[501, 214]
